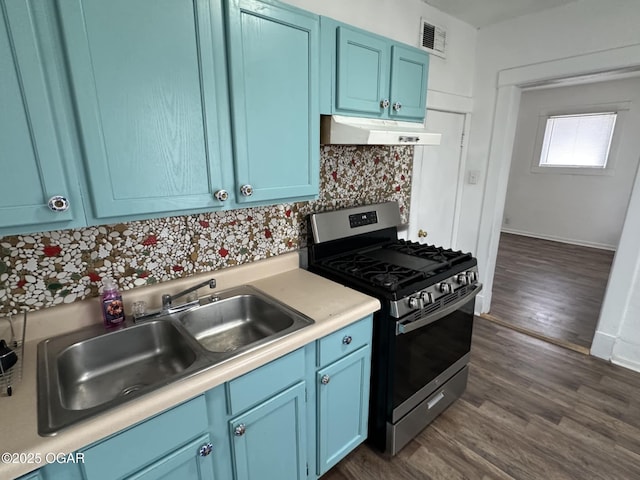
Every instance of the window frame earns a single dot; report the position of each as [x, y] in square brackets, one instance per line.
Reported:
[620, 109]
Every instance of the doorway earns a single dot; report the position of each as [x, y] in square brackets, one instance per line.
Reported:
[560, 229]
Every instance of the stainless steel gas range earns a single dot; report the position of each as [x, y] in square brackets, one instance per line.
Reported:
[422, 334]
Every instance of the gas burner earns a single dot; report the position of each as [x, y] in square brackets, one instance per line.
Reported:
[387, 280]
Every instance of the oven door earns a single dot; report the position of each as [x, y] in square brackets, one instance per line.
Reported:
[430, 349]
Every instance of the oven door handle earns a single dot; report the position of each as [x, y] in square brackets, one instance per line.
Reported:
[402, 328]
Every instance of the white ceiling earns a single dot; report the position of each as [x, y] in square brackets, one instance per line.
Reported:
[481, 13]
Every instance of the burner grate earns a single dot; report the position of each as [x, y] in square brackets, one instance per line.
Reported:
[430, 252]
[390, 277]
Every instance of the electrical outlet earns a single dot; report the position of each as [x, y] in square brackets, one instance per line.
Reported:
[473, 177]
[507, 220]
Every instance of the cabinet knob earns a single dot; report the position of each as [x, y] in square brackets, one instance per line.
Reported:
[239, 430]
[347, 340]
[222, 195]
[384, 103]
[205, 450]
[246, 190]
[397, 106]
[422, 233]
[58, 203]
[325, 379]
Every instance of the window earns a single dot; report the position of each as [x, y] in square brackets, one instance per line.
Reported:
[577, 141]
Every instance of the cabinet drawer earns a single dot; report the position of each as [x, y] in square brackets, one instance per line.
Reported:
[142, 444]
[344, 341]
[255, 386]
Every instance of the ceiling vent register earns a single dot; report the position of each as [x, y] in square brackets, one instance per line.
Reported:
[433, 38]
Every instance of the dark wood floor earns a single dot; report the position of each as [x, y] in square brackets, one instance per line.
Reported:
[532, 410]
[554, 289]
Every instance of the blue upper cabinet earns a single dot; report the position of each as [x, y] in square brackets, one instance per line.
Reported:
[32, 158]
[129, 106]
[363, 65]
[149, 87]
[273, 74]
[409, 76]
[371, 76]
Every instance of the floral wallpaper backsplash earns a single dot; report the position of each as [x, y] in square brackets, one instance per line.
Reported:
[46, 269]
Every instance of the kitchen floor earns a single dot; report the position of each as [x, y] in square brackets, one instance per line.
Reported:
[532, 410]
[552, 289]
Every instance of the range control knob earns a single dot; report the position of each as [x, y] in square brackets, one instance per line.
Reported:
[462, 279]
[426, 297]
[472, 277]
[414, 302]
[445, 287]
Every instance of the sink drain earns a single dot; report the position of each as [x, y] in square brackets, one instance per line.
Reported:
[131, 389]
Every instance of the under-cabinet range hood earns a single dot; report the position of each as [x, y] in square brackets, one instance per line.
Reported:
[341, 130]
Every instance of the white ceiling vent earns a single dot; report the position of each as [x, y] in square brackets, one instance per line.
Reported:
[432, 38]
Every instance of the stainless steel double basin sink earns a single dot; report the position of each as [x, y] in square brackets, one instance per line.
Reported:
[89, 371]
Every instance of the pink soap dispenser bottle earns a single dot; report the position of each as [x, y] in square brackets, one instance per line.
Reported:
[112, 306]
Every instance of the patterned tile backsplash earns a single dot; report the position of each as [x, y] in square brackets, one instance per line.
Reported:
[45, 269]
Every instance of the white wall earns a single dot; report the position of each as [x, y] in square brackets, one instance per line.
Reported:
[582, 209]
[557, 42]
[559, 33]
[400, 20]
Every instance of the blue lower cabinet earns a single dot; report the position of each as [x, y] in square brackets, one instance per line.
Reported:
[157, 448]
[192, 462]
[343, 407]
[291, 419]
[32, 476]
[269, 441]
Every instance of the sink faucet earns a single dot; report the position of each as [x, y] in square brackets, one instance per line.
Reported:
[167, 300]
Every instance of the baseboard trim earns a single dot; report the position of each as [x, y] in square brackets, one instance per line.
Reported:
[626, 363]
[553, 238]
[532, 333]
[602, 345]
[626, 355]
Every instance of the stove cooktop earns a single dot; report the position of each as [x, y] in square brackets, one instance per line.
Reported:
[397, 269]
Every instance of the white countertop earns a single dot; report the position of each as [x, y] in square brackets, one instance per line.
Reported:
[330, 305]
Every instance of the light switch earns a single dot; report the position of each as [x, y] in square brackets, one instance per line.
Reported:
[473, 177]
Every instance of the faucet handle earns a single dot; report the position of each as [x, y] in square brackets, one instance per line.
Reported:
[166, 300]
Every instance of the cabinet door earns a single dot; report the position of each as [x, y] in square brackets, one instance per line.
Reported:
[274, 63]
[362, 73]
[147, 77]
[193, 461]
[31, 476]
[343, 407]
[269, 440]
[409, 76]
[31, 157]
